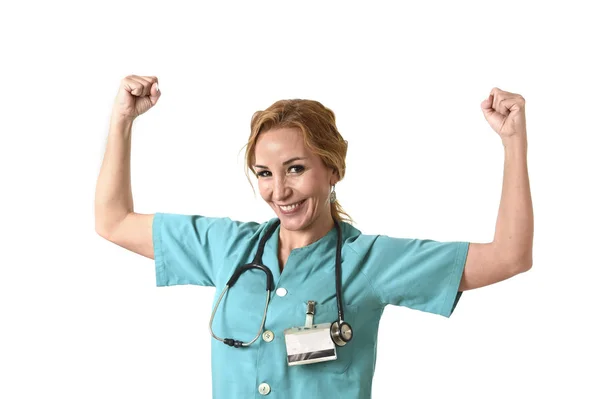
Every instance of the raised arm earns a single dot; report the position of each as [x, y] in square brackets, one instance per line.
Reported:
[115, 218]
[511, 252]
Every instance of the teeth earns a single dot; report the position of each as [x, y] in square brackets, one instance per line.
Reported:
[290, 207]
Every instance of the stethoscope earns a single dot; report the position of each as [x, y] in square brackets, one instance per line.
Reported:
[341, 332]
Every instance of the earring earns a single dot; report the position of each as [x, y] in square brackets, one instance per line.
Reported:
[332, 196]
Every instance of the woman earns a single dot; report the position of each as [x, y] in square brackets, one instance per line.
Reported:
[304, 344]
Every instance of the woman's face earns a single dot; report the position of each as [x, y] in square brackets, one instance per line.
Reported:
[293, 180]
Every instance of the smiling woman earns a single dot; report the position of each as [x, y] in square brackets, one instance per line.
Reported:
[311, 126]
[317, 265]
[297, 192]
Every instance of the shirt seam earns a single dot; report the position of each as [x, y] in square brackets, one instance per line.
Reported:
[381, 303]
[446, 308]
[158, 219]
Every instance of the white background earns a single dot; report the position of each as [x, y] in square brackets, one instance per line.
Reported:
[82, 318]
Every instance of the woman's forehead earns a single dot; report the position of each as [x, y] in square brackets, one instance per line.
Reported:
[281, 143]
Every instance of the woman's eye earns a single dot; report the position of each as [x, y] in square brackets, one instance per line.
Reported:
[292, 169]
[263, 173]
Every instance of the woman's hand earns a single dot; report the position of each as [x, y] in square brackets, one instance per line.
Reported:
[137, 94]
[505, 112]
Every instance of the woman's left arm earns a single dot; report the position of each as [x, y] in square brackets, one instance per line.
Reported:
[511, 251]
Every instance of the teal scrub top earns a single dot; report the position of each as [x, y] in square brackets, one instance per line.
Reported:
[377, 270]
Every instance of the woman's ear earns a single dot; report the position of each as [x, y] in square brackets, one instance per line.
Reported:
[335, 177]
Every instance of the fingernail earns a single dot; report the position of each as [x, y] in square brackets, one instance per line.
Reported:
[157, 87]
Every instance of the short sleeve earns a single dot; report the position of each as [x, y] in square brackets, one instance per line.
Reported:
[188, 249]
[419, 274]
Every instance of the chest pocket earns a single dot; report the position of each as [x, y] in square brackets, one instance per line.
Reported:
[328, 313]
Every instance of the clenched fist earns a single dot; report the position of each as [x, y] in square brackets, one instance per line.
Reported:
[505, 112]
[137, 94]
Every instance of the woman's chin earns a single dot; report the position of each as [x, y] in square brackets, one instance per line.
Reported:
[292, 223]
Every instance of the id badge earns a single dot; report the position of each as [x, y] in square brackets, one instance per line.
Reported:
[311, 343]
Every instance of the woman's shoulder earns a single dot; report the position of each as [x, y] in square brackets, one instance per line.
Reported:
[355, 239]
[199, 225]
[362, 243]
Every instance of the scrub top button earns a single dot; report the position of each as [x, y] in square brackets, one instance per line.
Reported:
[268, 336]
[281, 291]
[264, 388]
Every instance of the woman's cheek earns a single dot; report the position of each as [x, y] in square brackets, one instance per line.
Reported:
[263, 190]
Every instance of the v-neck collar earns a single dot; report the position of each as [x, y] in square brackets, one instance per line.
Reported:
[323, 249]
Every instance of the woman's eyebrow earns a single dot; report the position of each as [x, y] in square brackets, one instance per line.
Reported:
[285, 163]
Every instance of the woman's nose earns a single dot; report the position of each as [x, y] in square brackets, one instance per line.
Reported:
[279, 188]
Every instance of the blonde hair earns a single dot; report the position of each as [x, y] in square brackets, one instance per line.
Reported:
[321, 136]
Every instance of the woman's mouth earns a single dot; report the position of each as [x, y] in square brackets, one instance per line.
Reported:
[292, 208]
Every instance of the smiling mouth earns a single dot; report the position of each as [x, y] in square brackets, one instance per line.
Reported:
[291, 207]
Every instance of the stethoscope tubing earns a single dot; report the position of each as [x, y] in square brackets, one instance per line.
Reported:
[262, 324]
[257, 264]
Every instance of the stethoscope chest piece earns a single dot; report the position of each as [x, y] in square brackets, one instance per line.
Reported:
[341, 333]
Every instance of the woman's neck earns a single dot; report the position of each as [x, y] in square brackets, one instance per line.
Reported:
[289, 239]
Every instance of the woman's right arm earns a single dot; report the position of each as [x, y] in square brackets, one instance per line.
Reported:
[115, 218]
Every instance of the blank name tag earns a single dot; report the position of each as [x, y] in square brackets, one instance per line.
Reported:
[309, 344]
